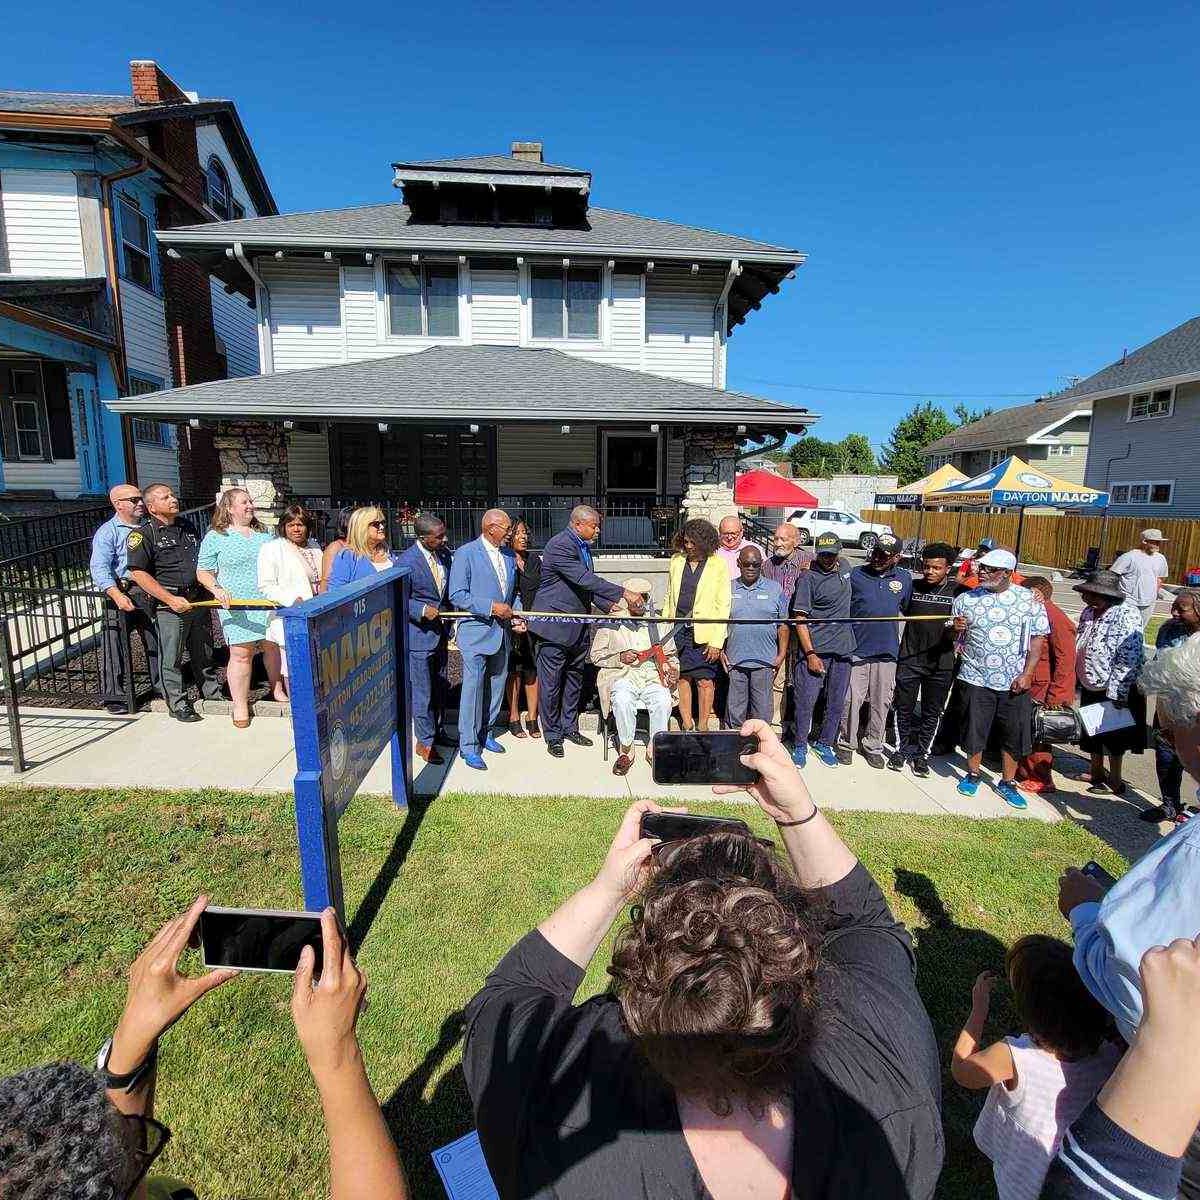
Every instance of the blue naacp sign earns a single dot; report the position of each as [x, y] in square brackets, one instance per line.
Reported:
[346, 653]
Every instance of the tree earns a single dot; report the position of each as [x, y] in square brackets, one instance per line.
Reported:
[967, 416]
[815, 458]
[857, 456]
[922, 424]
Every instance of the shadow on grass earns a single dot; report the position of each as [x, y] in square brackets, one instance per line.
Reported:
[377, 893]
[949, 957]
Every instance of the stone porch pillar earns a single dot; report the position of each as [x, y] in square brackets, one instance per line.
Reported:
[253, 455]
[710, 458]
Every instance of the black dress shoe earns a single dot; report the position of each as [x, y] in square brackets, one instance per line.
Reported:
[875, 759]
[555, 750]
[187, 714]
[578, 739]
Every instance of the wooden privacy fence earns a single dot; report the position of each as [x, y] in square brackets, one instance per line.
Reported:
[1049, 539]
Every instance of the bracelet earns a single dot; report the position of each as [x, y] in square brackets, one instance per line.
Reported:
[802, 821]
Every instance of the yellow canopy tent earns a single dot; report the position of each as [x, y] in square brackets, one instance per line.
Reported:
[912, 495]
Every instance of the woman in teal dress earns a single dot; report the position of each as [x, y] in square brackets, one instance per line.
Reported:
[228, 567]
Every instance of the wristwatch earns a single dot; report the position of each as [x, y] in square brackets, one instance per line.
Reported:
[130, 1081]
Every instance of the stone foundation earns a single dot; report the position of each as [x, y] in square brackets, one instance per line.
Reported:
[253, 456]
[710, 461]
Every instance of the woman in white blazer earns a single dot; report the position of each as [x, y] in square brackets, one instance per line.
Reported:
[289, 572]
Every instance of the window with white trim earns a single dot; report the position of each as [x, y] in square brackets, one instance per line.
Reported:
[938, 460]
[1147, 406]
[1061, 450]
[28, 429]
[1152, 491]
[135, 245]
[216, 184]
[564, 303]
[147, 432]
[422, 300]
[996, 457]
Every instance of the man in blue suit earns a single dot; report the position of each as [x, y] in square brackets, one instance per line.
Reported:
[569, 585]
[428, 562]
[483, 582]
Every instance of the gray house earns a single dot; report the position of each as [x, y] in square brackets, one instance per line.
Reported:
[1146, 426]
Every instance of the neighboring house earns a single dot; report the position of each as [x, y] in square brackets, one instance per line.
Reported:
[1146, 427]
[1051, 434]
[89, 308]
[493, 338]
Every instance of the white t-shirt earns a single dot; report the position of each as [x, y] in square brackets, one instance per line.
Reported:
[1021, 1130]
[1141, 575]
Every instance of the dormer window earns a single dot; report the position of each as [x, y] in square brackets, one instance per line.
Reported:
[423, 300]
[216, 181]
[565, 302]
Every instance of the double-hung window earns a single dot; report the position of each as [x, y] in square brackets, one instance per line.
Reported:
[27, 428]
[220, 196]
[135, 245]
[1061, 450]
[423, 300]
[1145, 406]
[565, 302]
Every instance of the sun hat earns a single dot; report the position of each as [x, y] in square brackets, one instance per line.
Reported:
[1003, 559]
[1153, 535]
[1102, 583]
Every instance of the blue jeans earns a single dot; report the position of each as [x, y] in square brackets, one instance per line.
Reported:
[808, 687]
[1170, 773]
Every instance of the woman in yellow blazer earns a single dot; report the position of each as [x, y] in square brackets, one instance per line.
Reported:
[698, 585]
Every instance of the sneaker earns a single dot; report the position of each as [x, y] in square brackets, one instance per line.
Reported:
[896, 760]
[800, 755]
[845, 755]
[1011, 794]
[968, 785]
[1160, 812]
[875, 759]
[827, 754]
[920, 767]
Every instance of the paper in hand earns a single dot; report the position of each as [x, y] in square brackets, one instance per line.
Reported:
[1104, 717]
[463, 1170]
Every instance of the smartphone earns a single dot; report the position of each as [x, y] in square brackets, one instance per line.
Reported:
[258, 939]
[703, 758]
[674, 827]
[1099, 874]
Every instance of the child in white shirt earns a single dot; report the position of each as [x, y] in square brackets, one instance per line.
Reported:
[1040, 1082]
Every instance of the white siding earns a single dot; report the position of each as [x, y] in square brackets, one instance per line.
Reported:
[306, 313]
[209, 142]
[236, 324]
[528, 456]
[495, 307]
[145, 333]
[308, 463]
[61, 476]
[41, 223]
[362, 317]
[680, 339]
[155, 464]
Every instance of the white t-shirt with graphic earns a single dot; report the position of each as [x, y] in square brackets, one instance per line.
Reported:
[999, 627]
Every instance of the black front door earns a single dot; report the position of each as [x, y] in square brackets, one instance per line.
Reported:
[413, 463]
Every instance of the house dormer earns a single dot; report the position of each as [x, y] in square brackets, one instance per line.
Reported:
[494, 189]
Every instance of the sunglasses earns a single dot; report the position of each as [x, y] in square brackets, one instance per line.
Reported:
[128, 499]
[377, 524]
[149, 1139]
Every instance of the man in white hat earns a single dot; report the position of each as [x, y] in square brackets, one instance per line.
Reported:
[1142, 572]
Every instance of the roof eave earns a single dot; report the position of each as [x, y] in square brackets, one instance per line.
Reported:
[574, 183]
[1140, 386]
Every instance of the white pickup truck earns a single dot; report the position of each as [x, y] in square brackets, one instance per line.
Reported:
[812, 522]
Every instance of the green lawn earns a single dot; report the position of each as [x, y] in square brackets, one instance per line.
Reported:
[1152, 627]
[86, 877]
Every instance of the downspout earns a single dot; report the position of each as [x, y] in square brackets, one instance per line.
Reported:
[1104, 516]
[119, 358]
[735, 269]
[266, 353]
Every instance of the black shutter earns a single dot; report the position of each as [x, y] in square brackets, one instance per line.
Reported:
[58, 411]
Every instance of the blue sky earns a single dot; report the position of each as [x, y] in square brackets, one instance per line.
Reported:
[993, 197]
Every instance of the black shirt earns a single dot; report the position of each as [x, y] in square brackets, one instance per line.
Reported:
[567, 1109]
[689, 581]
[928, 643]
[167, 553]
[826, 594]
[528, 580]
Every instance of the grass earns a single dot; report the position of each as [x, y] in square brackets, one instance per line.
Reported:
[86, 877]
[1152, 627]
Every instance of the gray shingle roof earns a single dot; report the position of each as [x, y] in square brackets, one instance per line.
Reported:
[502, 163]
[1175, 353]
[456, 383]
[386, 226]
[83, 104]
[1008, 427]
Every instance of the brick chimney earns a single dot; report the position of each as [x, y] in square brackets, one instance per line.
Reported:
[152, 85]
[527, 151]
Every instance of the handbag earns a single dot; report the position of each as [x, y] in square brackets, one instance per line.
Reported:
[1056, 726]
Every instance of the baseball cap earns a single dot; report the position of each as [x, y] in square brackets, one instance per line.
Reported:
[1152, 535]
[987, 544]
[828, 543]
[999, 558]
[887, 543]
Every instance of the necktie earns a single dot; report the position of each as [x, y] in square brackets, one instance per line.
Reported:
[439, 575]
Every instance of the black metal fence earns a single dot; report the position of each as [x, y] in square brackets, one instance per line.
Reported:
[640, 523]
[24, 535]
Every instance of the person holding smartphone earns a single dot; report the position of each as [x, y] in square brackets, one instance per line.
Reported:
[704, 1069]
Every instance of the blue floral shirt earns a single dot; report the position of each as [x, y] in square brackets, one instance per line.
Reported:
[999, 628]
[1110, 649]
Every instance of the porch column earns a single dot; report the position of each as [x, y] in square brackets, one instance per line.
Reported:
[253, 456]
[709, 458]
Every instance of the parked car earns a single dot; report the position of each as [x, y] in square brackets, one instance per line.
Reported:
[854, 531]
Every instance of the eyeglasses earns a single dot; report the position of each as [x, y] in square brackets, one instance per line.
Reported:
[991, 570]
[378, 524]
[149, 1139]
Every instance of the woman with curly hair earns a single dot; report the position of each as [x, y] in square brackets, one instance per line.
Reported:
[698, 586]
[762, 1034]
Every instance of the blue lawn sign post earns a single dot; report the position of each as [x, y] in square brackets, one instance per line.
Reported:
[347, 655]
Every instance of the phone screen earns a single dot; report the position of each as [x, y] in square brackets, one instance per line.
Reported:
[703, 758]
[257, 939]
[1098, 873]
[674, 827]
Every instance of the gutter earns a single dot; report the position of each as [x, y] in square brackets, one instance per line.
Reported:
[735, 269]
[266, 352]
[63, 329]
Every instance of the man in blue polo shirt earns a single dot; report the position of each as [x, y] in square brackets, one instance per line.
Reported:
[753, 653]
[877, 589]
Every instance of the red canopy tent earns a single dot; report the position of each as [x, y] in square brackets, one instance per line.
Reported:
[765, 489]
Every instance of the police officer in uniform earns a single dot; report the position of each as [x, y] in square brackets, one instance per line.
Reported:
[162, 555]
